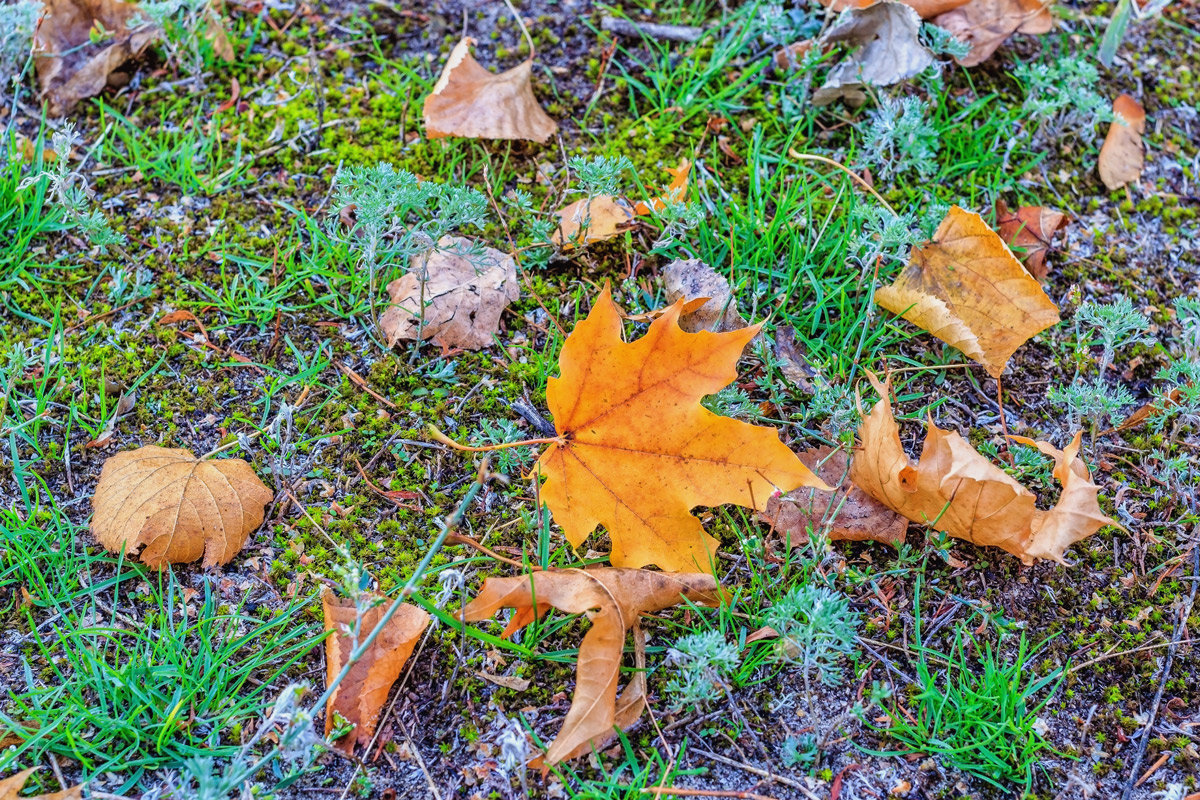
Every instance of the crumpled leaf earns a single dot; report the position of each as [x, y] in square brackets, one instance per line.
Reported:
[471, 102]
[954, 489]
[10, 788]
[967, 288]
[691, 279]
[676, 190]
[860, 517]
[1122, 156]
[637, 451]
[1030, 228]
[467, 289]
[360, 696]
[613, 599]
[70, 67]
[888, 51]
[926, 8]
[166, 506]
[603, 216]
[987, 24]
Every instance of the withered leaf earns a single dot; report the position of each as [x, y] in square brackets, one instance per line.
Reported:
[360, 696]
[954, 489]
[691, 279]
[166, 506]
[888, 51]
[613, 599]
[592, 220]
[676, 190]
[1029, 231]
[70, 67]
[925, 8]
[850, 513]
[471, 102]
[967, 288]
[467, 288]
[1122, 156]
[637, 451]
[10, 788]
[987, 24]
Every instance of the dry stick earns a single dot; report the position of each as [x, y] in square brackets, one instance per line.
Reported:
[1180, 626]
[442, 438]
[458, 538]
[671, 790]
[822, 159]
[521, 25]
[762, 773]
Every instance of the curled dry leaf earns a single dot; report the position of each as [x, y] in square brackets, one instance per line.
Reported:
[850, 513]
[1030, 231]
[967, 288]
[471, 102]
[467, 288]
[10, 788]
[360, 696]
[954, 489]
[691, 279]
[593, 219]
[887, 51]
[927, 9]
[1122, 155]
[613, 599]
[987, 24]
[70, 67]
[166, 506]
[676, 190]
[637, 452]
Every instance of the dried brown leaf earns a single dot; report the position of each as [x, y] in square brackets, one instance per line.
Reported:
[926, 8]
[166, 506]
[10, 788]
[360, 696]
[613, 599]
[471, 102]
[692, 279]
[987, 24]
[887, 50]
[467, 289]
[592, 220]
[1029, 231]
[967, 288]
[1122, 156]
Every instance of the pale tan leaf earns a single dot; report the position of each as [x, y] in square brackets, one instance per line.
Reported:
[1122, 156]
[10, 788]
[691, 279]
[471, 102]
[467, 289]
[986, 24]
[360, 696]
[886, 46]
[612, 599]
[967, 288]
[593, 219]
[165, 506]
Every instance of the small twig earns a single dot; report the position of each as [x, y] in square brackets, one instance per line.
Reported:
[671, 790]
[762, 773]
[521, 25]
[848, 171]
[442, 438]
[459, 538]
[650, 30]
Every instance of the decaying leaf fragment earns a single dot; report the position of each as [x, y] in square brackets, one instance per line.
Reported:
[954, 489]
[467, 289]
[70, 67]
[888, 51]
[987, 24]
[592, 220]
[926, 8]
[1031, 229]
[850, 513]
[613, 599]
[967, 288]
[676, 190]
[360, 696]
[10, 788]
[1122, 156]
[637, 452]
[166, 506]
[691, 279]
[471, 102]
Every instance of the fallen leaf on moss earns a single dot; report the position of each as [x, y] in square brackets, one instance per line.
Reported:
[360, 696]
[637, 451]
[1122, 155]
[613, 599]
[10, 789]
[592, 220]
[471, 102]
[987, 24]
[1029, 231]
[165, 506]
[886, 46]
[215, 31]
[467, 288]
[925, 8]
[954, 489]
[676, 190]
[850, 513]
[691, 279]
[967, 288]
[70, 66]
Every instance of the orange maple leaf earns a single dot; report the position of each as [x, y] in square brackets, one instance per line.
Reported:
[636, 450]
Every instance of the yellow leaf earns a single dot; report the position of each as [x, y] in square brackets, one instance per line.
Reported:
[676, 191]
[613, 599]
[637, 451]
[967, 288]
[168, 507]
